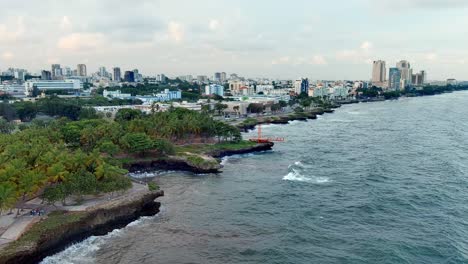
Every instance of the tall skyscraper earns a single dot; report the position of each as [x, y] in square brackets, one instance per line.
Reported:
[129, 76]
[394, 79]
[379, 72]
[81, 69]
[117, 74]
[56, 71]
[103, 72]
[217, 77]
[223, 77]
[406, 71]
[419, 79]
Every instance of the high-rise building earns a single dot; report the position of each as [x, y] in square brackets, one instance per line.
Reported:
[217, 77]
[301, 86]
[394, 79]
[81, 69]
[67, 71]
[419, 79]
[129, 76]
[406, 72]
[214, 89]
[56, 71]
[117, 74]
[379, 72]
[46, 75]
[223, 77]
[103, 72]
[202, 79]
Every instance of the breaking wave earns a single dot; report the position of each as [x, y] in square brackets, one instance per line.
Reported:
[296, 174]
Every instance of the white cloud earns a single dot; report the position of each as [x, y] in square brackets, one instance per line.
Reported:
[10, 33]
[214, 24]
[175, 31]
[282, 60]
[366, 45]
[81, 41]
[318, 60]
[65, 24]
[421, 4]
[431, 56]
[8, 55]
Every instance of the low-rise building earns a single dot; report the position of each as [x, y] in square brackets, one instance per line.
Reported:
[52, 85]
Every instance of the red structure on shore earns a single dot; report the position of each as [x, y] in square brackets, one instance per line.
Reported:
[261, 139]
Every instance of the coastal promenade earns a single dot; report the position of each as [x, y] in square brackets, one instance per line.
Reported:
[12, 227]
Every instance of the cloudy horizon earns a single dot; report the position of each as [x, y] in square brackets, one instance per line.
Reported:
[331, 40]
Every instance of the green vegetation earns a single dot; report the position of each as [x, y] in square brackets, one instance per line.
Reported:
[152, 186]
[46, 227]
[410, 92]
[249, 122]
[208, 148]
[63, 159]
[73, 109]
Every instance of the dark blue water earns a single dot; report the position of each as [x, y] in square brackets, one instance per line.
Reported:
[372, 183]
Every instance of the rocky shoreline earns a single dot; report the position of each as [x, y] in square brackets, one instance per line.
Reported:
[94, 222]
[195, 163]
[285, 119]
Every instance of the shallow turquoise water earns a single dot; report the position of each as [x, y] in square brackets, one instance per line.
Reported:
[372, 183]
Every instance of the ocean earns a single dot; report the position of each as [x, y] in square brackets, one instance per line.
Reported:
[383, 182]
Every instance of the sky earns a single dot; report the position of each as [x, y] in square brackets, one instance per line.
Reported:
[333, 39]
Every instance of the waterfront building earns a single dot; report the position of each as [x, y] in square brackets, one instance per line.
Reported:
[301, 86]
[451, 82]
[379, 72]
[213, 89]
[51, 85]
[406, 72]
[129, 76]
[117, 74]
[394, 79]
[419, 79]
[81, 70]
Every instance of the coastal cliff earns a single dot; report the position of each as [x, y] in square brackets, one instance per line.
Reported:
[205, 161]
[60, 229]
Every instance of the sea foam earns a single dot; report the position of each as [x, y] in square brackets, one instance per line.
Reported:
[296, 176]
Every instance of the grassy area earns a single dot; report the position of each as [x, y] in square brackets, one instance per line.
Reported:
[45, 227]
[206, 148]
[249, 122]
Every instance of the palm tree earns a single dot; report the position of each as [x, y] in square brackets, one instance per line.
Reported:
[7, 196]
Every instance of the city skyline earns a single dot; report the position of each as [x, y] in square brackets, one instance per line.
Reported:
[317, 41]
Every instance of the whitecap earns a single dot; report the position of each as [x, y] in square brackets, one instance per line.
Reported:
[295, 176]
[224, 161]
[298, 163]
[84, 251]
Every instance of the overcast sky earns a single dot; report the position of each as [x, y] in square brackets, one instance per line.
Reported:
[332, 39]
